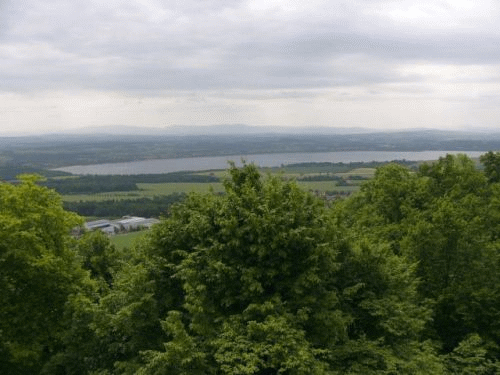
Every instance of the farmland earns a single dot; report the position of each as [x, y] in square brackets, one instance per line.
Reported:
[161, 189]
[122, 241]
[147, 190]
[319, 178]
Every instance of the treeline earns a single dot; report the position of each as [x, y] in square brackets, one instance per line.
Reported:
[400, 278]
[146, 207]
[340, 167]
[320, 177]
[10, 172]
[91, 184]
[329, 177]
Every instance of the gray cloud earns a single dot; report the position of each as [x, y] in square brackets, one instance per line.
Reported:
[126, 48]
[159, 48]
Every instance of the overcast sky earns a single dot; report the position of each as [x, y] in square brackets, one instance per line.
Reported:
[357, 63]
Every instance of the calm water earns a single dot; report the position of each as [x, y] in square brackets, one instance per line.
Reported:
[263, 160]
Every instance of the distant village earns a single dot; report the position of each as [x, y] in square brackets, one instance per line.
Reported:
[123, 225]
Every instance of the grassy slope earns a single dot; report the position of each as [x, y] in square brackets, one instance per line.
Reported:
[122, 241]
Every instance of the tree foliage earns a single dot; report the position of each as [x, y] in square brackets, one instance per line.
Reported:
[144, 207]
[401, 278]
[443, 218]
[491, 162]
[38, 273]
[269, 285]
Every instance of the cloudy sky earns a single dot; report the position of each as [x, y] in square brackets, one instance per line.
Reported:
[357, 63]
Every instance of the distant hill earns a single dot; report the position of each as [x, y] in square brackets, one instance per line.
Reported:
[122, 144]
[223, 129]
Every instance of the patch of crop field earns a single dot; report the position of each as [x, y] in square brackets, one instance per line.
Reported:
[99, 197]
[170, 188]
[278, 172]
[69, 177]
[179, 187]
[298, 171]
[323, 186]
[356, 182]
[220, 173]
[310, 168]
[148, 190]
[363, 172]
[122, 241]
[223, 173]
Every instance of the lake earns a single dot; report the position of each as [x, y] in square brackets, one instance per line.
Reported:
[263, 160]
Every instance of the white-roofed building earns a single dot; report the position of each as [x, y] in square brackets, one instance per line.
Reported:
[125, 224]
[104, 225]
[129, 223]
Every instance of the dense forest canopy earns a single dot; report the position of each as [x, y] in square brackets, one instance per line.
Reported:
[400, 278]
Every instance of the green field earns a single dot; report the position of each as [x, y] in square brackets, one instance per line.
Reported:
[179, 187]
[151, 190]
[102, 196]
[323, 186]
[122, 241]
[221, 173]
[363, 172]
[148, 191]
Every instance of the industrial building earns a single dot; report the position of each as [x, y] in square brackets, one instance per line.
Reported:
[125, 224]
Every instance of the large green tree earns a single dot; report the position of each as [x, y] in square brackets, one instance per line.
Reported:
[445, 219]
[491, 163]
[38, 273]
[261, 281]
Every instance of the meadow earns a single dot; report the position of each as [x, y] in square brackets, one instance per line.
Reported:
[150, 190]
[122, 241]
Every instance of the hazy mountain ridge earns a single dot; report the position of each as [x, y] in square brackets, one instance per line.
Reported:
[221, 129]
[244, 129]
[102, 132]
[57, 150]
